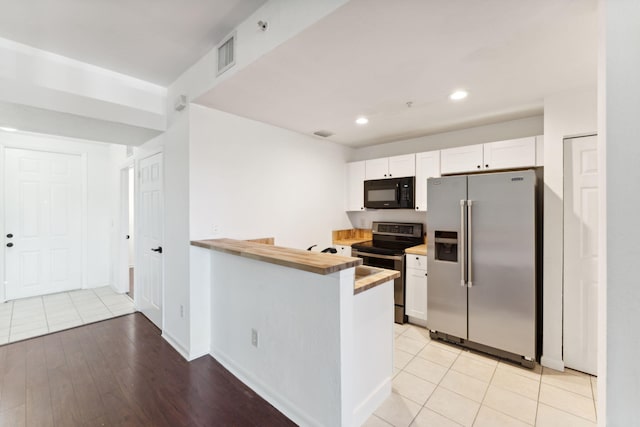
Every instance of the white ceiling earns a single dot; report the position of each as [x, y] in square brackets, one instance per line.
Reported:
[371, 57]
[154, 41]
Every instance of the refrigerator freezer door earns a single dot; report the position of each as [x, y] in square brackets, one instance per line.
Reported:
[446, 298]
[502, 300]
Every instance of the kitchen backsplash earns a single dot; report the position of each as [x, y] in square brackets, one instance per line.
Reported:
[364, 219]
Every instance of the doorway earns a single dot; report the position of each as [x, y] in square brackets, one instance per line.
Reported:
[44, 215]
[580, 280]
[126, 235]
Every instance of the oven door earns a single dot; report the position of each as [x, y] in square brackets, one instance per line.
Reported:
[390, 262]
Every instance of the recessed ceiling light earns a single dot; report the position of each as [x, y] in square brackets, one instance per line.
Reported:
[6, 129]
[362, 120]
[458, 95]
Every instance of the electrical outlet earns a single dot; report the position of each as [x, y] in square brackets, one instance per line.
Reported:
[181, 310]
[254, 338]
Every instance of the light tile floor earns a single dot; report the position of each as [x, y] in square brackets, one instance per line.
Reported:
[31, 317]
[436, 384]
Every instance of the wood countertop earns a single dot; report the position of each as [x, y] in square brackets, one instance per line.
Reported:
[368, 277]
[350, 236]
[417, 250]
[313, 262]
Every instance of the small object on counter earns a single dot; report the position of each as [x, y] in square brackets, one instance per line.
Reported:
[325, 250]
[329, 250]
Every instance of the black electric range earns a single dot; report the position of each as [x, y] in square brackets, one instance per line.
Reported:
[386, 250]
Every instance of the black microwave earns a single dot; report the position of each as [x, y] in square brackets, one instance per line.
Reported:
[391, 193]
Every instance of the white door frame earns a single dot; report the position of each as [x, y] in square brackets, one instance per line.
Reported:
[84, 202]
[122, 260]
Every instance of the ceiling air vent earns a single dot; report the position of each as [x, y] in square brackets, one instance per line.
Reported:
[227, 53]
[323, 133]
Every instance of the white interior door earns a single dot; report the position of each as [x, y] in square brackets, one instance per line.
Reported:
[43, 222]
[581, 254]
[150, 232]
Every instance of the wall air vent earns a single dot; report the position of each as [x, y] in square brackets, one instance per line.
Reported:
[227, 53]
[323, 133]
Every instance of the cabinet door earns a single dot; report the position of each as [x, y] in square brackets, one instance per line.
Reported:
[416, 298]
[510, 154]
[401, 166]
[427, 166]
[355, 186]
[377, 168]
[343, 250]
[461, 159]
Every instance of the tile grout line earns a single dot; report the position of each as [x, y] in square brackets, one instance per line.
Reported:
[73, 303]
[424, 405]
[10, 322]
[46, 319]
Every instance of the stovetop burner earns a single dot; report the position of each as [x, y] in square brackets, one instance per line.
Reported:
[392, 238]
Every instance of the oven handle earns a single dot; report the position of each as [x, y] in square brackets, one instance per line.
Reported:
[368, 254]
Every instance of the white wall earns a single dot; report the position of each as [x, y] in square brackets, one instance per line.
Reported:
[621, 128]
[101, 179]
[253, 180]
[285, 20]
[569, 113]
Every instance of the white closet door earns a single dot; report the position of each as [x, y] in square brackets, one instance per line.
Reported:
[581, 195]
[43, 222]
[150, 238]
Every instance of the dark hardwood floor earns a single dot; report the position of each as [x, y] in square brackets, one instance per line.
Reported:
[121, 372]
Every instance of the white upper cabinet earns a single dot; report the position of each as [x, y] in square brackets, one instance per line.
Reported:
[391, 167]
[514, 153]
[461, 159]
[401, 166]
[377, 168]
[427, 166]
[355, 186]
[509, 154]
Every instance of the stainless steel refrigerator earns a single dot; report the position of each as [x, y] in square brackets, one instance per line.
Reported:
[481, 249]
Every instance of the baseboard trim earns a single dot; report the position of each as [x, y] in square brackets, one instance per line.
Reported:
[174, 343]
[549, 362]
[364, 410]
[281, 403]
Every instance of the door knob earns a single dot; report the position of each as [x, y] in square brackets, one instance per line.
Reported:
[9, 236]
[9, 245]
[128, 237]
[158, 249]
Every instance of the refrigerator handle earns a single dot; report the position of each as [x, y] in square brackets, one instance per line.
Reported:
[461, 244]
[469, 247]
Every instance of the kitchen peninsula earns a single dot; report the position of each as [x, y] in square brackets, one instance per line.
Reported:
[312, 333]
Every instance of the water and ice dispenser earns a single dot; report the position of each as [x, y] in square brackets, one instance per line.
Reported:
[446, 246]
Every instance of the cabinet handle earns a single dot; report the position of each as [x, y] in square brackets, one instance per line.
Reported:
[390, 175]
[417, 259]
[385, 174]
[486, 166]
[9, 236]
[478, 166]
[9, 245]
[362, 208]
[417, 208]
[425, 274]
